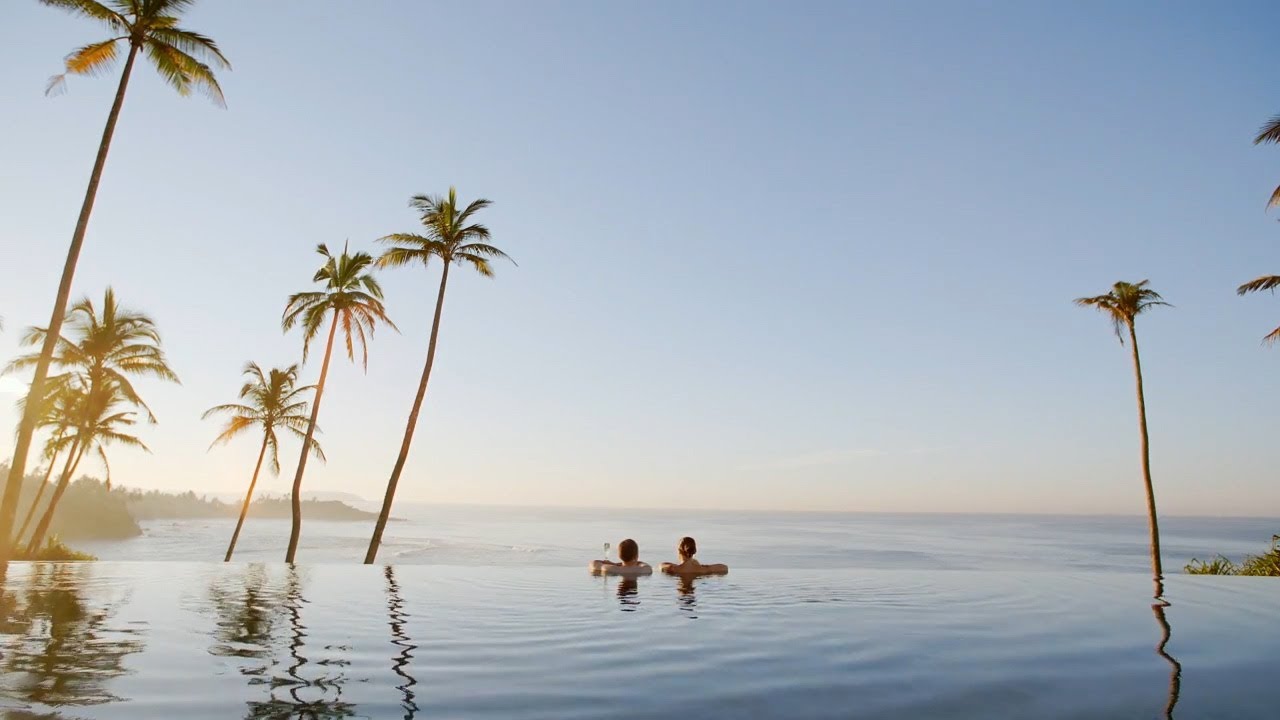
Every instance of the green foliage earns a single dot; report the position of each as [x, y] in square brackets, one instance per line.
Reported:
[1125, 302]
[182, 57]
[54, 550]
[271, 401]
[1264, 565]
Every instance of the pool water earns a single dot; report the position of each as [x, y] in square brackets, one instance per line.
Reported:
[173, 640]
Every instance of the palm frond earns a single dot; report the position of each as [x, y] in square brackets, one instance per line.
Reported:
[1269, 133]
[191, 43]
[94, 58]
[1266, 282]
[90, 9]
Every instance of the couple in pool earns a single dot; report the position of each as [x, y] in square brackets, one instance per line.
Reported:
[631, 565]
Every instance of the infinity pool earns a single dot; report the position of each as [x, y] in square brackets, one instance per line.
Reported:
[143, 640]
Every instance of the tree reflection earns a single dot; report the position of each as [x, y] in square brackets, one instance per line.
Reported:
[318, 698]
[57, 648]
[1175, 668]
[400, 663]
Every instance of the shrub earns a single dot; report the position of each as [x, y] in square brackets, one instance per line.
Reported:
[54, 551]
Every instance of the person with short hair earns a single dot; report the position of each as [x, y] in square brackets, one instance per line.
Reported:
[688, 565]
[629, 554]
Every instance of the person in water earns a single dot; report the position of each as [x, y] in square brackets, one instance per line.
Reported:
[688, 565]
[629, 554]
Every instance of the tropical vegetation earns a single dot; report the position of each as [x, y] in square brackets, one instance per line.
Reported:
[183, 58]
[1265, 565]
[107, 345]
[449, 237]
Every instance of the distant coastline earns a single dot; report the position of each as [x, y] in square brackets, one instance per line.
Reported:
[90, 510]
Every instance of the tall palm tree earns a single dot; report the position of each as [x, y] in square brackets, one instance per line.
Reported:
[103, 348]
[105, 416]
[450, 237]
[271, 401]
[183, 59]
[354, 297]
[1122, 306]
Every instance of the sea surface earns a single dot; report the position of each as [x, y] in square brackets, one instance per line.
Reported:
[563, 537]
[489, 613]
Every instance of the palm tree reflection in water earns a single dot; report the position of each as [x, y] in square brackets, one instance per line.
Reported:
[1175, 667]
[56, 648]
[296, 706]
[400, 663]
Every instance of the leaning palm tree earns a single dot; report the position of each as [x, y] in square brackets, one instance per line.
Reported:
[450, 238]
[1122, 306]
[354, 298]
[271, 401]
[183, 59]
[105, 416]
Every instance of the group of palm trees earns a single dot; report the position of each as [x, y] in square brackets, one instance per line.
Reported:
[1124, 303]
[90, 402]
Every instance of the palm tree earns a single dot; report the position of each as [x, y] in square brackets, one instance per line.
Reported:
[183, 58]
[271, 401]
[107, 345]
[1122, 306]
[354, 297]
[451, 238]
[103, 419]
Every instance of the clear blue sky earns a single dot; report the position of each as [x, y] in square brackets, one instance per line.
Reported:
[784, 257]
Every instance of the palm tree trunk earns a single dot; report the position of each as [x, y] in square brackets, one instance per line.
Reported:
[244, 509]
[296, 531]
[26, 429]
[390, 495]
[31, 511]
[37, 536]
[1152, 523]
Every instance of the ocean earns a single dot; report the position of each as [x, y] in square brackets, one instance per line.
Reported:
[569, 537]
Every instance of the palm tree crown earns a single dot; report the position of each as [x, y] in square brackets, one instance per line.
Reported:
[351, 292]
[1124, 303]
[111, 343]
[450, 236]
[271, 401]
[182, 57]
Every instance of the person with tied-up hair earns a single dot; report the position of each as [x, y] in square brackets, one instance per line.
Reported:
[688, 565]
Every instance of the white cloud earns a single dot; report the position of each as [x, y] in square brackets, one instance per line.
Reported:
[11, 386]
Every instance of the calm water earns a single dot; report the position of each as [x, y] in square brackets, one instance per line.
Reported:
[478, 536]
[175, 640]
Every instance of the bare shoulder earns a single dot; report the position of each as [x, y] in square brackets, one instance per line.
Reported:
[629, 570]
